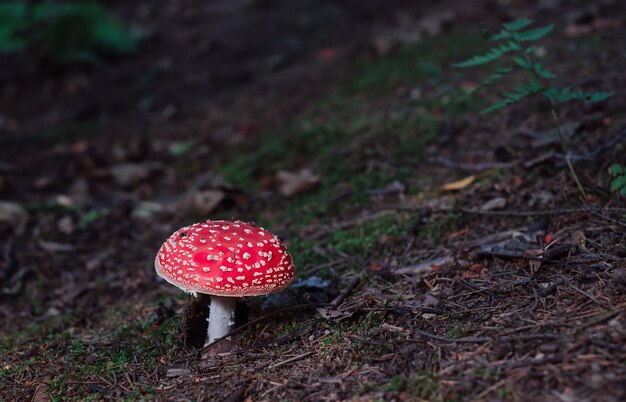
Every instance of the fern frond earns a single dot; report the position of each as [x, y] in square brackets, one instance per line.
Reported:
[519, 93]
[504, 34]
[523, 63]
[533, 34]
[599, 96]
[518, 24]
[493, 54]
[566, 94]
[618, 183]
[501, 104]
[618, 169]
[543, 73]
[501, 72]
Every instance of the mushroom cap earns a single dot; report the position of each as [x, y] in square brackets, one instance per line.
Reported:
[225, 258]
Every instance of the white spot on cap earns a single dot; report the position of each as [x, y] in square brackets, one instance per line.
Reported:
[246, 256]
[206, 269]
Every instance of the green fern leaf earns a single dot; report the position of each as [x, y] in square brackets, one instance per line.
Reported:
[504, 34]
[566, 94]
[493, 54]
[599, 96]
[533, 34]
[501, 104]
[618, 183]
[542, 72]
[518, 24]
[618, 169]
[523, 63]
[501, 72]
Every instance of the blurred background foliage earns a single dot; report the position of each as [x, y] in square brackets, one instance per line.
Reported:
[64, 32]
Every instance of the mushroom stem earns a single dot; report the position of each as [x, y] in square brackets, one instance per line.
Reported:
[221, 317]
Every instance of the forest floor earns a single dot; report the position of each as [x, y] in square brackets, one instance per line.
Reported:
[441, 254]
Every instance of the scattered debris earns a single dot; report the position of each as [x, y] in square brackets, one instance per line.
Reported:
[206, 201]
[495, 203]
[15, 215]
[291, 184]
[423, 267]
[128, 174]
[459, 184]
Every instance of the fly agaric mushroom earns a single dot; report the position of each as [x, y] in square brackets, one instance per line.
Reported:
[226, 260]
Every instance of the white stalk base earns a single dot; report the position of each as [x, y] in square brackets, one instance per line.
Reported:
[221, 318]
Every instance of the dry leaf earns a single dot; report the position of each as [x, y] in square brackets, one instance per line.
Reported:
[291, 183]
[205, 202]
[334, 315]
[459, 184]
[40, 394]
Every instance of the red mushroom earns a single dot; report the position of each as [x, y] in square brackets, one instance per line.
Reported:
[226, 260]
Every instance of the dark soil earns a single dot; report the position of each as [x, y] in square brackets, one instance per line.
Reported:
[509, 287]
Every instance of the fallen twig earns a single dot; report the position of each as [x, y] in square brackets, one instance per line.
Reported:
[422, 267]
[345, 292]
[293, 359]
[480, 339]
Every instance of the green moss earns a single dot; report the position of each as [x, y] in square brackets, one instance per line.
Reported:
[456, 331]
[360, 241]
[422, 385]
[123, 341]
[425, 60]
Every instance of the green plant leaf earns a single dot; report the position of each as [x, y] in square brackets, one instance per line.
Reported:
[523, 63]
[567, 94]
[533, 34]
[68, 31]
[598, 96]
[618, 183]
[617, 169]
[519, 93]
[501, 104]
[501, 72]
[518, 24]
[493, 54]
[543, 73]
[501, 35]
